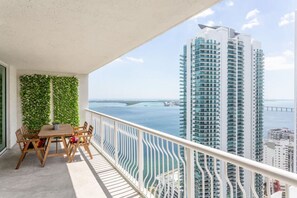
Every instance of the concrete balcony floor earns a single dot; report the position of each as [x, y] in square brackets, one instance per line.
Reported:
[81, 178]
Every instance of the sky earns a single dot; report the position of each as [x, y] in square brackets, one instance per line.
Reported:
[151, 71]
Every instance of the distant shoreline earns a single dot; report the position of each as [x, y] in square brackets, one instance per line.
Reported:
[131, 102]
[160, 100]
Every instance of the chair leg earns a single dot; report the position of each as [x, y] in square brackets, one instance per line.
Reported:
[70, 153]
[24, 156]
[70, 148]
[56, 145]
[42, 152]
[88, 150]
[73, 154]
[24, 152]
[38, 153]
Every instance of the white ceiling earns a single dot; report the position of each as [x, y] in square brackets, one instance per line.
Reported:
[76, 36]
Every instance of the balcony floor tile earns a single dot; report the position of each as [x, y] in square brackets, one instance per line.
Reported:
[81, 178]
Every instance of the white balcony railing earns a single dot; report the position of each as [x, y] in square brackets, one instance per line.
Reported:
[161, 165]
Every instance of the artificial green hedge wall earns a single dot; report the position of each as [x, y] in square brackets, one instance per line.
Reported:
[65, 99]
[35, 92]
[35, 100]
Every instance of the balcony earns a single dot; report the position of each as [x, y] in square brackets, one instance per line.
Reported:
[81, 178]
[134, 161]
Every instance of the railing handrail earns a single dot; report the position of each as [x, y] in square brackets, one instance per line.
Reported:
[253, 166]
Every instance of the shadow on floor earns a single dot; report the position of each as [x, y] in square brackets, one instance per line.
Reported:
[111, 182]
[81, 178]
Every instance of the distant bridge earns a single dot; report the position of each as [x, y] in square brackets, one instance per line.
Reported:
[280, 109]
[132, 102]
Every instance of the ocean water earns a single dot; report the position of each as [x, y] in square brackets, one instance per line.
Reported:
[273, 119]
[166, 119]
[150, 114]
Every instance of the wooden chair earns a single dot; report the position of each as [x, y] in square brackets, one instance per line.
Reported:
[81, 139]
[25, 130]
[83, 128]
[24, 141]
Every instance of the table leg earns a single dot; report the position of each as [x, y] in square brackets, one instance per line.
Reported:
[37, 152]
[46, 151]
[65, 146]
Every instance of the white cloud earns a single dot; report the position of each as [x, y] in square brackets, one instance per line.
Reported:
[252, 14]
[203, 14]
[129, 59]
[229, 3]
[280, 62]
[135, 60]
[253, 20]
[118, 60]
[250, 24]
[210, 23]
[287, 19]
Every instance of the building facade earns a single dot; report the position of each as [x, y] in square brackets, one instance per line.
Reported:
[222, 100]
[280, 154]
[279, 149]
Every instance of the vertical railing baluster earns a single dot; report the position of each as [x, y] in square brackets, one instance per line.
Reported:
[201, 173]
[268, 187]
[228, 180]
[239, 183]
[253, 186]
[287, 191]
[190, 180]
[140, 160]
[101, 131]
[209, 175]
[116, 157]
[218, 177]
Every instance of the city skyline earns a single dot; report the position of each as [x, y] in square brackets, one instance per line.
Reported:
[222, 98]
[151, 71]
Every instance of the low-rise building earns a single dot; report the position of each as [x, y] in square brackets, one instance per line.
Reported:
[279, 153]
[281, 134]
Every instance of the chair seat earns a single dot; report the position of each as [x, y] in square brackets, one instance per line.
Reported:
[73, 139]
[41, 143]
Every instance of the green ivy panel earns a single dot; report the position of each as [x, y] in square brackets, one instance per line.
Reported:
[65, 98]
[35, 100]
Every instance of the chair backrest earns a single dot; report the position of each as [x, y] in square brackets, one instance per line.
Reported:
[90, 134]
[85, 125]
[24, 129]
[90, 131]
[19, 136]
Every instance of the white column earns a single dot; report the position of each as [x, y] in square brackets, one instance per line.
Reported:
[190, 181]
[11, 96]
[83, 92]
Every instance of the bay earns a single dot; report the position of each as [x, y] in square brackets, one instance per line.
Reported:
[166, 119]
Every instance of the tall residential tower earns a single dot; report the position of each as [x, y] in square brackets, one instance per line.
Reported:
[222, 99]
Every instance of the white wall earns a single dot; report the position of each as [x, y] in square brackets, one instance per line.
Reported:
[12, 107]
[82, 91]
[11, 98]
